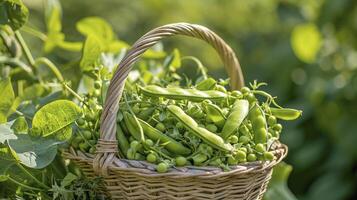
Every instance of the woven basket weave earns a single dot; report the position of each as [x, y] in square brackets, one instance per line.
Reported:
[130, 179]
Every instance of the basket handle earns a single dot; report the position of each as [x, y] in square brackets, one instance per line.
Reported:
[107, 144]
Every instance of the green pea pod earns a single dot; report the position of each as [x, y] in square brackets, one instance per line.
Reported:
[199, 159]
[214, 113]
[123, 126]
[122, 141]
[207, 84]
[238, 113]
[170, 144]
[132, 126]
[208, 137]
[145, 114]
[182, 94]
[259, 124]
[286, 113]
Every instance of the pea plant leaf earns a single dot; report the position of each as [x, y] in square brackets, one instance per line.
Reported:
[6, 132]
[176, 62]
[33, 92]
[53, 12]
[306, 42]
[55, 37]
[20, 126]
[54, 117]
[32, 152]
[64, 134]
[6, 162]
[173, 60]
[7, 98]
[68, 179]
[53, 24]
[97, 27]
[35, 153]
[278, 189]
[90, 53]
[13, 13]
[103, 32]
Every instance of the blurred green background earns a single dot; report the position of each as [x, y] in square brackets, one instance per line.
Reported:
[304, 49]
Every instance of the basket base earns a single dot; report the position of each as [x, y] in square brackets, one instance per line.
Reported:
[245, 182]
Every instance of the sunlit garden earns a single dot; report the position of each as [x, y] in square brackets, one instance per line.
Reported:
[162, 99]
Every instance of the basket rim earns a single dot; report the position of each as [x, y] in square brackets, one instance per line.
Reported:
[145, 169]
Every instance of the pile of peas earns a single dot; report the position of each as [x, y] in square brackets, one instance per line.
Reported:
[205, 125]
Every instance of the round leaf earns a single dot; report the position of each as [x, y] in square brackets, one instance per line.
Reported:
[54, 117]
[34, 152]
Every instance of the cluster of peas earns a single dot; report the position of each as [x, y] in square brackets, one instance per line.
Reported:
[87, 130]
[172, 126]
[249, 140]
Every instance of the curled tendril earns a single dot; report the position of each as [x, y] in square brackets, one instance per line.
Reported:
[270, 98]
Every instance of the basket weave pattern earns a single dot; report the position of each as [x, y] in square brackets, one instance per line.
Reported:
[130, 179]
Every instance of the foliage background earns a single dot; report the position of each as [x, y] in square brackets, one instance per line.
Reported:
[313, 69]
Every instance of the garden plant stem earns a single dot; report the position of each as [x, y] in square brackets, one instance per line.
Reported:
[25, 48]
[31, 176]
[23, 185]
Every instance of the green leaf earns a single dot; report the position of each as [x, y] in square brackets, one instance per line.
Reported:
[176, 62]
[55, 37]
[116, 46]
[33, 92]
[306, 42]
[53, 25]
[173, 61]
[20, 126]
[278, 189]
[34, 152]
[151, 54]
[6, 162]
[53, 16]
[54, 117]
[6, 132]
[14, 13]
[70, 46]
[64, 134]
[91, 53]
[103, 32]
[96, 26]
[7, 97]
[68, 179]
[52, 41]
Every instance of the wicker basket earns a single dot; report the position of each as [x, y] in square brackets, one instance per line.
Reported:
[129, 179]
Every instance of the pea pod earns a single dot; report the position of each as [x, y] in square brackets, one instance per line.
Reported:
[286, 113]
[208, 137]
[235, 118]
[214, 113]
[259, 124]
[131, 126]
[123, 126]
[181, 94]
[207, 84]
[145, 114]
[122, 141]
[170, 144]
